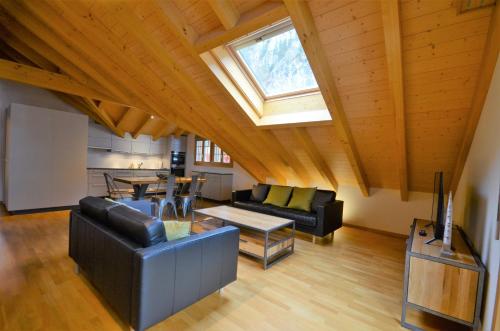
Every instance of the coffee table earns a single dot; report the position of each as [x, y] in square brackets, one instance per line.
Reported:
[261, 236]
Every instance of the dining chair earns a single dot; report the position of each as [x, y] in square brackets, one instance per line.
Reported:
[199, 187]
[114, 192]
[168, 200]
[186, 200]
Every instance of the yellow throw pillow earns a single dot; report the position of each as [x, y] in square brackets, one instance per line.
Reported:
[176, 230]
[302, 198]
[278, 195]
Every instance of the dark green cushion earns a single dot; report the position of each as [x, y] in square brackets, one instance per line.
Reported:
[278, 195]
[302, 198]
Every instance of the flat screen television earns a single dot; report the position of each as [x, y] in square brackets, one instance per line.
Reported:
[437, 215]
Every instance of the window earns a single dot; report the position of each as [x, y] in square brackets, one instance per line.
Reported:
[275, 61]
[209, 154]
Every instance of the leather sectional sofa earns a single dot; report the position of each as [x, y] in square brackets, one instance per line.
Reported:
[124, 253]
[325, 216]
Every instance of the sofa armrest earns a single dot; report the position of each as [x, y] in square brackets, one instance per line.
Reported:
[329, 217]
[173, 275]
[242, 195]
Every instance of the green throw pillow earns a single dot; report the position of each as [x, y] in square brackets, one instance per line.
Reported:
[278, 195]
[176, 230]
[302, 198]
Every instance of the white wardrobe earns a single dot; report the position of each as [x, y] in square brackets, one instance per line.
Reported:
[45, 158]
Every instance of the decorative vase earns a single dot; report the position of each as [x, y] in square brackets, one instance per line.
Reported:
[446, 248]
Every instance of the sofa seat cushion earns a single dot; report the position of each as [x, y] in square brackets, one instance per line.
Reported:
[253, 206]
[299, 216]
[96, 208]
[138, 227]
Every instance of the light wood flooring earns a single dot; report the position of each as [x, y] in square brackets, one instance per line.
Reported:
[354, 283]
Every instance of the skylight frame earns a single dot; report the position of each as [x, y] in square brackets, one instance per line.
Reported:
[263, 34]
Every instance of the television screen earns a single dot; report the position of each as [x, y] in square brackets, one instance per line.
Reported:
[438, 206]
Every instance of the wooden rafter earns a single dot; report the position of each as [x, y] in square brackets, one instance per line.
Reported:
[104, 116]
[27, 51]
[303, 137]
[42, 31]
[177, 132]
[257, 18]
[226, 11]
[304, 25]
[488, 63]
[229, 139]
[45, 79]
[125, 117]
[392, 33]
[164, 130]
[140, 128]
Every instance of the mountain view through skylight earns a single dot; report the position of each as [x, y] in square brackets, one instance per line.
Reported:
[279, 64]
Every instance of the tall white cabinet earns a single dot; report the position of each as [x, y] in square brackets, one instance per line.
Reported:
[45, 158]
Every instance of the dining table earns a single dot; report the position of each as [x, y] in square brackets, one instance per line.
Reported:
[141, 184]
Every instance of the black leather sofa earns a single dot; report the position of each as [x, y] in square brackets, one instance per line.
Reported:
[325, 216]
[124, 253]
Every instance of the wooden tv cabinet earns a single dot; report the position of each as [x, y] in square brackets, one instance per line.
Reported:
[451, 288]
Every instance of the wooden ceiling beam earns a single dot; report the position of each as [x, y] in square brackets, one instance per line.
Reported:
[250, 21]
[141, 127]
[303, 137]
[42, 31]
[78, 103]
[392, 34]
[303, 22]
[226, 11]
[153, 93]
[125, 118]
[27, 51]
[45, 50]
[229, 138]
[104, 116]
[177, 132]
[45, 79]
[487, 68]
[164, 130]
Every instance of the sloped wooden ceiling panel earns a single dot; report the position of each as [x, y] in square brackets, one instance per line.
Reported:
[131, 51]
[442, 54]
[358, 64]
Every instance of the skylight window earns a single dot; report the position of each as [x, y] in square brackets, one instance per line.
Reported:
[276, 62]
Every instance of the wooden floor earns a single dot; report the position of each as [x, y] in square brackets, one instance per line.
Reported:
[354, 283]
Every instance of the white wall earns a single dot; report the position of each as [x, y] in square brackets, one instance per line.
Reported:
[19, 93]
[477, 197]
[241, 178]
[383, 209]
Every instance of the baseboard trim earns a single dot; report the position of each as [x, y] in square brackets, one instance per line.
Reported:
[41, 210]
[382, 232]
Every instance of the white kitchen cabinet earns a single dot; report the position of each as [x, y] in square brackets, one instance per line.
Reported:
[99, 136]
[123, 145]
[158, 147]
[46, 157]
[218, 187]
[141, 145]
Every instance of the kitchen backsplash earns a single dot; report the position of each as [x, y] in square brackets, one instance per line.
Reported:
[103, 159]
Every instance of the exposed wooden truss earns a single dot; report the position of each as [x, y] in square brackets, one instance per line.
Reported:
[143, 58]
[393, 52]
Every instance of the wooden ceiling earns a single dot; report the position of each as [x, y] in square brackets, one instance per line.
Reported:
[405, 80]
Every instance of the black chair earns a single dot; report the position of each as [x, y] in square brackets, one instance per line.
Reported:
[114, 192]
[186, 200]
